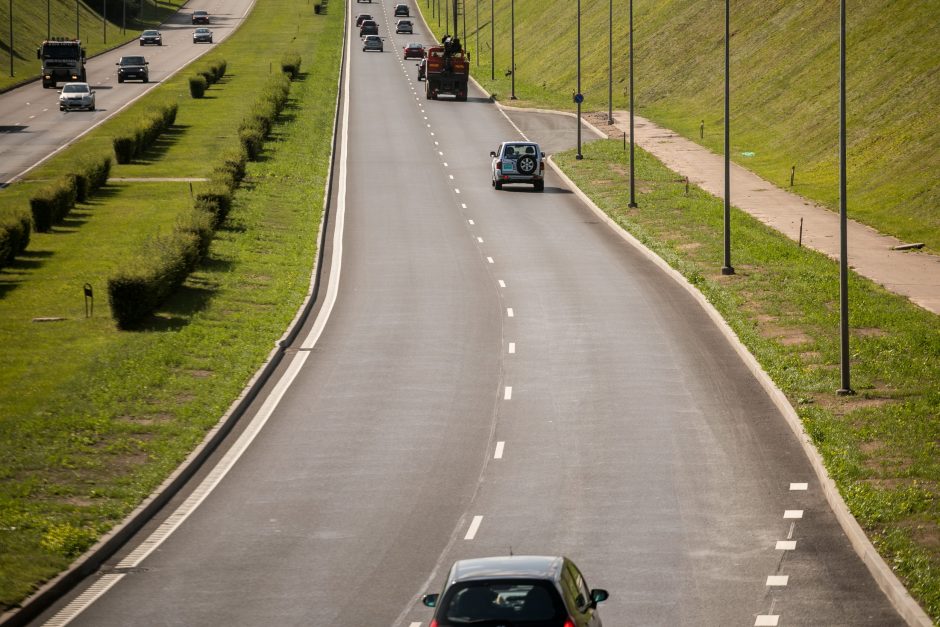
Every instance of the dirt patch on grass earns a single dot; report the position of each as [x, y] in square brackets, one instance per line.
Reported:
[842, 405]
[149, 419]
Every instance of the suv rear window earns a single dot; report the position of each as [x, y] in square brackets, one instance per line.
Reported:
[529, 604]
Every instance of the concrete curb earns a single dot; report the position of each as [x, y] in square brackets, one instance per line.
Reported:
[109, 544]
[900, 598]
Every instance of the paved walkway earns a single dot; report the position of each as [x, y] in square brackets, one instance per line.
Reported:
[910, 273]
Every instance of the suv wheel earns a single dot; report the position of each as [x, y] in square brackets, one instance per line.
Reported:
[526, 164]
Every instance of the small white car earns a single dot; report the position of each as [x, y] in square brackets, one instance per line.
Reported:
[76, 96]
[518, 162]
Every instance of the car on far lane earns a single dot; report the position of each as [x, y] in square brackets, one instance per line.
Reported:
[518, 162]
[414, 51]
[369, 1]
[368, 27]
[151, 37]
[362, 17]
[401, 10]
[202, 35]
[404, 26]
[133, 68]
[200, 17]
[372, 42]
[76, 96]
[541, 591]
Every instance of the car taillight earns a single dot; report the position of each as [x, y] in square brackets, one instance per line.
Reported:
[434, 623]
[499, 165]
[569, 623]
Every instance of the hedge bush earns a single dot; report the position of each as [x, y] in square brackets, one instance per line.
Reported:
[149, 127]
[139, 288]
[15, 228]
[96, 171]
[233, 164]
[216, 199]
[52, 203]
[290, 64]
[202, 225]
[198, 86]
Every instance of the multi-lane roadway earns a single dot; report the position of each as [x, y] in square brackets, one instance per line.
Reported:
[489, 372]
[31, 125]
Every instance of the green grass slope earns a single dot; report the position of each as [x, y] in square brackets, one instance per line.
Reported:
[35, 20]
[784, 87]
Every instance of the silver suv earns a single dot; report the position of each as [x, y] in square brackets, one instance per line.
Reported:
[518, 162]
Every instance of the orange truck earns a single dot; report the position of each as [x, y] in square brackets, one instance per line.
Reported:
[448, 70]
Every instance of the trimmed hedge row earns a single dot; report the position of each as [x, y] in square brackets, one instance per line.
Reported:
[257, 124]
[14, 235]
[51, 204]
[206, 75]
[149, 127]
[290, 64]
[137, 290]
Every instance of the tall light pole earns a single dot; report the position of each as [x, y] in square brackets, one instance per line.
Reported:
[77, 22]
[727, 268]
[478, 34]
[48, 19]
[578, 98]
[632, 169]
[104, 20]
[844, 356]
[11, 38]
[610, 62]
[512, 49]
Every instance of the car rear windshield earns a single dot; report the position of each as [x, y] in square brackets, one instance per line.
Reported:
[528, 604]
[132, 60]
[75, 89]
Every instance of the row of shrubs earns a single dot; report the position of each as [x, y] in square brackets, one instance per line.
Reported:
[52, 203]
[149, 127]
[207, 74]
[14, 234]
[139, 288]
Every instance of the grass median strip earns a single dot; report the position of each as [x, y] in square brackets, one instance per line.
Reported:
[94, 418]
[882, 446]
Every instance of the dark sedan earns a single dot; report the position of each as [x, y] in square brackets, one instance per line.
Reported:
[200, 17]
[202, 35]
[151, 38]
[133, 68]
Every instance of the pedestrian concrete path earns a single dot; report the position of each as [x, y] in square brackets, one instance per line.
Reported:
[913, 274]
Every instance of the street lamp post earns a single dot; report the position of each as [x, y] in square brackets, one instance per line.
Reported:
[77, 22]
[492, 41]
[104, 20]
[632, 169]
[11, 38]
[578, 97]
[610, 62]
[477, 50]
[48, 19]
[844, 357]
[512, 49]
[727, 268]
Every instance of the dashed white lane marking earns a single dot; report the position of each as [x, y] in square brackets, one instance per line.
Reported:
[440, 153]
[489, 260]
[456, 190]
[445, 165]
[510, 312]
[429, 126]
[451, 176]
[767, 620]
[786, 545]
[507, 393]
[470, 222]
[793, 513]
[474, 527]
[502, 283]
[77, 606]
[432, 134]
[480, 239]
[437, 143]
[463, 205]
[415, 625]
[778, 580]
[498, 454]
[512, 348]
[799, 486]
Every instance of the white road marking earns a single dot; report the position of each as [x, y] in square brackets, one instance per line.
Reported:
[463, 205]
[799, 486]
[502, 283]
[510, 312]
[437, 143]
[480, 239]
[499, 450]
[778, 580]
[415, 625]
[470, 221]
[790, 533]
[489, 259]
[432, 134]
[767, 620]
[89, 596]
[474, 527]
[512, 348]
[507, 393]
[440, 153]
[456, 191]
[793, 513]
[445, 165]
[429, 126]
[786, 545]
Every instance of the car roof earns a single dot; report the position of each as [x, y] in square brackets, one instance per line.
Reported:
[150, 32]
[508, 567]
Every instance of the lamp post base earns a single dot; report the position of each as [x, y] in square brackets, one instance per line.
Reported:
[727, 270]
[845, 392]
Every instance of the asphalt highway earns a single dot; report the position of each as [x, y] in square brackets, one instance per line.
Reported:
[31, 126]
[495, 372]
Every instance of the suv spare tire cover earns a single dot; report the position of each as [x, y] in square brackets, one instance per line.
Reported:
[526, 164]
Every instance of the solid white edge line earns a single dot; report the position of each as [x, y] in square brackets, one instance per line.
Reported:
[474, 527]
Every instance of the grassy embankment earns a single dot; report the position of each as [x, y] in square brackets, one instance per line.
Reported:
[94, 418]
[784, 90]
[35, 20]
[882, 446]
